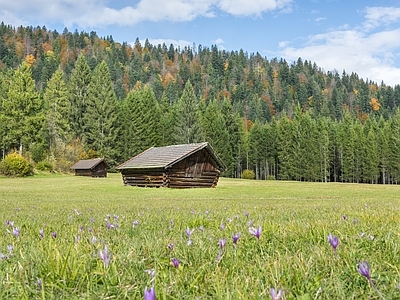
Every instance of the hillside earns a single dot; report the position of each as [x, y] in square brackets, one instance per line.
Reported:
[69, 95]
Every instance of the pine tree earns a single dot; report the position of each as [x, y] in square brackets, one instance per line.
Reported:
[57, 111]
[22, 110]
[188, 123]
[100, 117]
[214, 131]
[78, 88]
[141, 119]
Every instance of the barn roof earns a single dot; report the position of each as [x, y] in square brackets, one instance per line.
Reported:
[164, 157]
[87, 164]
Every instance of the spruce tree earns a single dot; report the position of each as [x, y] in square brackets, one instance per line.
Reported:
[100, 117]
[78, 89]
[214, 131]
[188, 122]
[57, 126]
[22, 111]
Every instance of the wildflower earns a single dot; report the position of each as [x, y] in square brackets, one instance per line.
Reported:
[10, 249]
[92, 220]
[39, 282]
[149, 294]
[175, 262]
[250, 223]
[135, 223]
[170, 246]
[256, 231]
[344, 217]
[275, 295]
[16, 231]
[235, 237]
[105, 256]
[189, 232]
[94, 240]
[246, 213]
[363, 269]
[2, 256]
[90, 229]
[201, 228]
[222, 226]
[222, 243]
[41, 233]
[152, 273]
[219, 256]
[109, 225]
[334, 241]
[54, 234]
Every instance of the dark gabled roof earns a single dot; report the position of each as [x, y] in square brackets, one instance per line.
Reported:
[87, 164]
[164, 157]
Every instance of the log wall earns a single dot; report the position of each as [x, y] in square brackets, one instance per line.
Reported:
[195, 171]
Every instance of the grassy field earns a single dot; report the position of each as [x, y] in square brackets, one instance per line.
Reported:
[57, 230]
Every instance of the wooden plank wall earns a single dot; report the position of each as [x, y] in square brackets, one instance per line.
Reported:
[196, 170]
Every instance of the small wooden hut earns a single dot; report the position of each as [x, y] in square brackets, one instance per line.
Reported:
[176, 166]
[96, 167]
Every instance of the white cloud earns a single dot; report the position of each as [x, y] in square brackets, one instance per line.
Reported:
[369, 55]
[377, 16]
[251, 7]
[10, 19]
[96, 13]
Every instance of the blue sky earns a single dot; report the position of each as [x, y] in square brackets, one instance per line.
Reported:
[361, 36]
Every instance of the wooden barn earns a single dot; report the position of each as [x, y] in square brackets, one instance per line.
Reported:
[96, 167]
[176, 166]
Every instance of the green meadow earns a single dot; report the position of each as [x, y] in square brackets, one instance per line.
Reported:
[68, 237]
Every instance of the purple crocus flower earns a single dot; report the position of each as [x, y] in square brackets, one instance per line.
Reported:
[275, 295]
[2, 256]
[256, 231]
[175, 262]
[54, 234]
[222, 243]
[189, 232]
[334, 241]
[250, 223]
[41, 233]
[363, 269]
[10, 249]
[135, 223]
[246, 213]
[152, 273]
[235, 237]
[149, 294]
[105, 256]
[201, 228]
[16, 231]
[170, 246]
[222, 226]
[344, 217]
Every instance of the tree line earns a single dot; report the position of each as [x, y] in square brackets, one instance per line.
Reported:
[75, 95]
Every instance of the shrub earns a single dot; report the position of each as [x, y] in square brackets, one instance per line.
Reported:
[44, 166]
[248, 174]
[15, 164]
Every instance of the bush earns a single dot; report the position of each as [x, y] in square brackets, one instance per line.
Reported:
[15, 165]
[44, 166]
[248, 174]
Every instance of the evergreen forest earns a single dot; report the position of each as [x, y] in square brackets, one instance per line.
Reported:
[74, 95]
